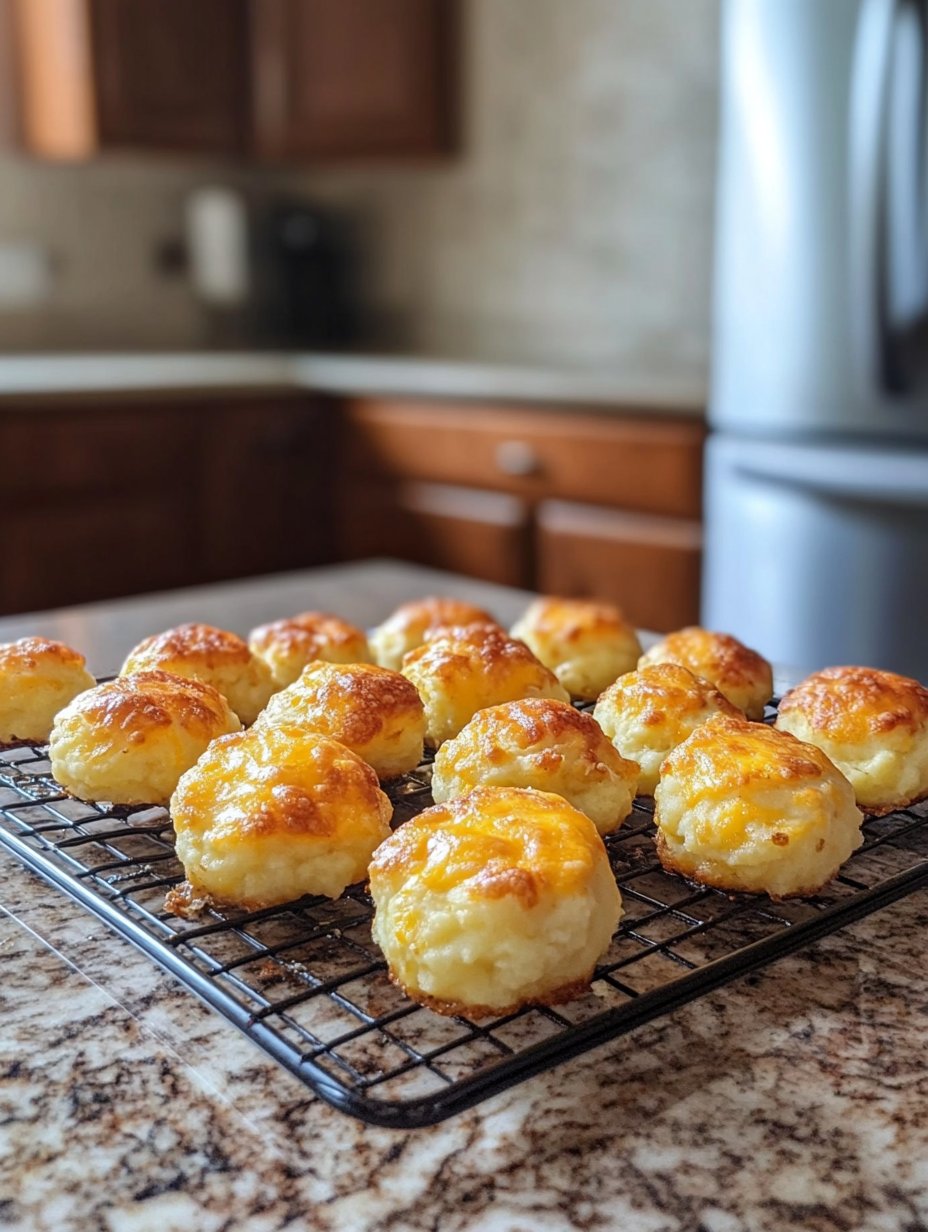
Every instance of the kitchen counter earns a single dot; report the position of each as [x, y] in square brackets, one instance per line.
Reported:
[792, 1099]
[39, 376]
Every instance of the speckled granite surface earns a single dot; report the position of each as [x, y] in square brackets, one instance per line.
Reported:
[796, 1099]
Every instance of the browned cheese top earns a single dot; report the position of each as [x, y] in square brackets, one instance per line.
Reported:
[852, 703]
[193, 644]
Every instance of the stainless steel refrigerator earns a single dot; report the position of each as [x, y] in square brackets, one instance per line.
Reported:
[817, 464]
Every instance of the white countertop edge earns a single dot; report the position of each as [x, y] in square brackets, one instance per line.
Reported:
[358, 374]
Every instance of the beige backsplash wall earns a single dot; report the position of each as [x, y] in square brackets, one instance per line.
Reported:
[576, 223]
[102, 223]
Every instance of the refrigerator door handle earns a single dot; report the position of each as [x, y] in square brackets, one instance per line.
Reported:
[888, 228]
[859, 475]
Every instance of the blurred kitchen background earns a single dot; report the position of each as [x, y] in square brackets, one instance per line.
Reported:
[285, 282]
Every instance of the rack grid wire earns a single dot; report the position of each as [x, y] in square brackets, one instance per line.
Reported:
[306, 982]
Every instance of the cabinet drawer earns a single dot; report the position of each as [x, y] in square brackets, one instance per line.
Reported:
[651, 465]
[650, 566]
[480, 534]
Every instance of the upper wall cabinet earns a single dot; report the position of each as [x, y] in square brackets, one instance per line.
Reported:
[292, 80]
[351, 77]
[104, 74]
[171, 75]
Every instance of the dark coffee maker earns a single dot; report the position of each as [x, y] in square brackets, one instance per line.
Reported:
[305, 273]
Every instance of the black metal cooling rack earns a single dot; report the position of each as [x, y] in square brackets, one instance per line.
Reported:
[308, 984]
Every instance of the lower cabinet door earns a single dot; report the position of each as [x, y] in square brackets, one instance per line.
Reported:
[649, 565]
[480, 534]
[266, 489]
[80, 550]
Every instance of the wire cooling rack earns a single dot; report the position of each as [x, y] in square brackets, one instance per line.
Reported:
[307, 983]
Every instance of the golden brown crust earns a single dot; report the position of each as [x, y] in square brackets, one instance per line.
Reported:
[456, 1009]
[483, 834]
[192, 642]
[493, 653]
[288, 810]
[474, 632]
[661, 689]
[362, 694]
[308, 635]
[273, 813]
[29, 652]
[435, 610]
[852, 703]
[254, 769]
[533, 719]
[572, 620]
[142, 701]
[695, 647]
[731, 752]
[374, 711]
[741, 674]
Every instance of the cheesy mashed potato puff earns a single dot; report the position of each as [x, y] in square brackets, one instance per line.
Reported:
[544, 744]
[872, 724]
[374, 712]
[586, 644]
[214, 656]
[287, 646]
[130, 739]
[742, 806]
[407, 627]
[496, 900]
[742, 675]
[273, 813]
[457, 677]
[37, 678]
[649, 712]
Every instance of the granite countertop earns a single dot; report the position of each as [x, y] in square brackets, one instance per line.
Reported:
[792, 1099]
[617, 389]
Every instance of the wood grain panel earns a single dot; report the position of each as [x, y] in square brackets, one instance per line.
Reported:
[352, 78]
[650, 566]
[479, 534]
[171, 76]
[651, 464]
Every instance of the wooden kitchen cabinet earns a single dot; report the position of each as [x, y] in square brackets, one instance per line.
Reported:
[278, 79]
[634, 462]
[352, 78]
[105, 74]
[605, 505]
[266, 494]
[485, 535]
[103, 501]
[171, 76]
[648, 565]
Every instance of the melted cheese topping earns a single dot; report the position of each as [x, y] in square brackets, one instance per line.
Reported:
[142, 702]
[406, 628]
[741, 674]
[38, 678]
[456, 678]
[375, 712]
[649, 712]
[287, 646]
[585, 643]
[855, 703]
[215, 656]
[492, 843]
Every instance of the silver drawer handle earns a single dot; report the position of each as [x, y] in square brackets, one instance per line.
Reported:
[517, 458]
